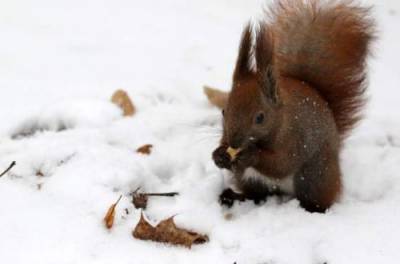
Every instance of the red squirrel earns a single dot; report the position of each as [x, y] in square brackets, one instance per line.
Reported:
[286, 117]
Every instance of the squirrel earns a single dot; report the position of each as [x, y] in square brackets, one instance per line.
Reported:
[286, 116]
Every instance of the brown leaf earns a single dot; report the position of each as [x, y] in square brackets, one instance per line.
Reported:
[139, 200]
[143, 229]
[166, 231]
[145, 149]
[109, 218]
[216, 97]
[121, 99]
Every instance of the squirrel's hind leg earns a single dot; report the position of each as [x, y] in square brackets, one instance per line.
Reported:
[318, 184]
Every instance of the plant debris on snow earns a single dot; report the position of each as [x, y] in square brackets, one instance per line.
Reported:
[145, 149]
[122, 100]
[110, 215]
[139, 199]
[166, 231]
[8, 169]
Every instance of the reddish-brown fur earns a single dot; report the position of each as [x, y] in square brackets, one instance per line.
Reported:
[307, 89]
[326, 46]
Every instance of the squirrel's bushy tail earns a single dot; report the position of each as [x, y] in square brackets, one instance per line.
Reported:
[325, 44]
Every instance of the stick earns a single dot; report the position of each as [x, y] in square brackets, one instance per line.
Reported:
[9, 168]
[171, 194]
[162, 194]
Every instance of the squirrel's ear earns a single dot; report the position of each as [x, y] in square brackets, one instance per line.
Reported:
[242, 68]
[264, 61]
[264, 48]
[268, 84]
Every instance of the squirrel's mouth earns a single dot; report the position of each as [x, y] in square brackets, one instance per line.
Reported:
[251, 143]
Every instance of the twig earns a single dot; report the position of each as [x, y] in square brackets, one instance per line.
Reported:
[119, 199]
[170, 194]
[162, 194]
[9, 168]
[135, 191]
[140, 199]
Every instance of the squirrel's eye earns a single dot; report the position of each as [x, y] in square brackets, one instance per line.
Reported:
[260, 118]
[223, 112]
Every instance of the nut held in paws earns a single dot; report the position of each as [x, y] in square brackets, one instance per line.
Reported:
[233, 152]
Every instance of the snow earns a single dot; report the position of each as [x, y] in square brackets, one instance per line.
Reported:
[60, 63]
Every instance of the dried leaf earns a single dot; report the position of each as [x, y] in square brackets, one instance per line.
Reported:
[109, 218]
[145, 149]
[121, 99]
[216, 97]
[139, 200]
[166, 231]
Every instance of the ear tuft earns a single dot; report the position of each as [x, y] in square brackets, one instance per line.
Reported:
[264, 47]
[268, 84]
[264, 60]
[242, 68]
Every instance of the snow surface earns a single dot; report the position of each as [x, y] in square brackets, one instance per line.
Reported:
[60, 63]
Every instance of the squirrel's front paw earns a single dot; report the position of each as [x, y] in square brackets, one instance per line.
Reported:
[221, 158]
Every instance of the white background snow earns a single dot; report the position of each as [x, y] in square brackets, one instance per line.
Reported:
[60, 61]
